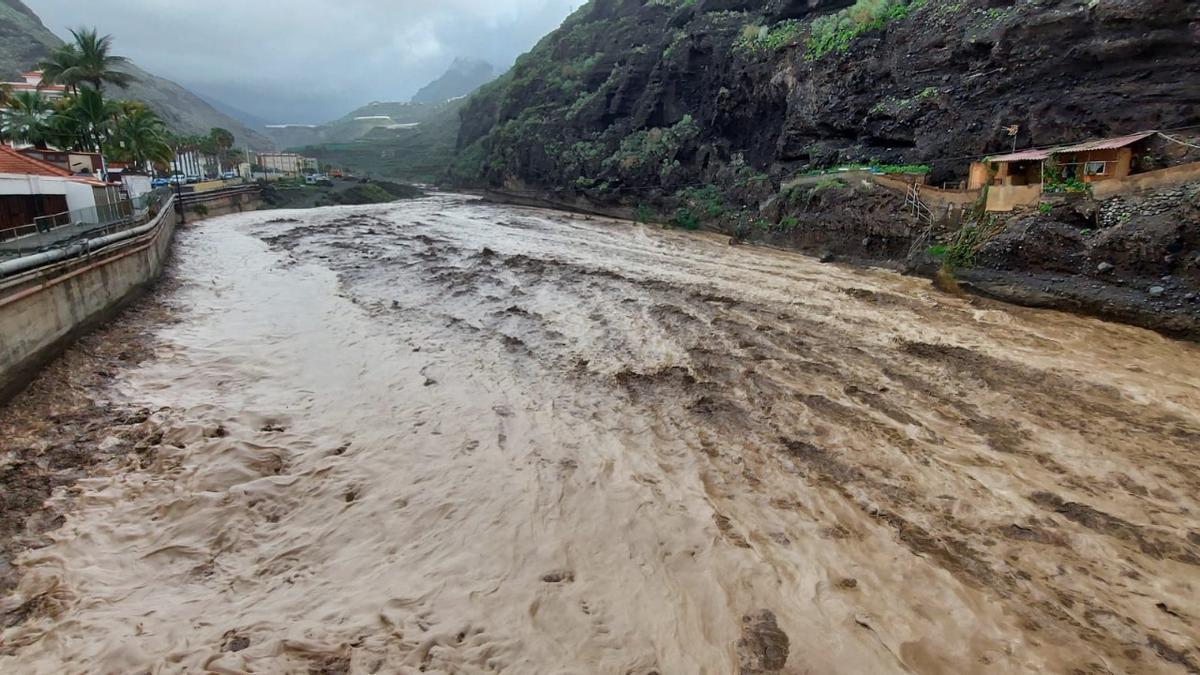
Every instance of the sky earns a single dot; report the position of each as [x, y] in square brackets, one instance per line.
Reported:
[309, 61]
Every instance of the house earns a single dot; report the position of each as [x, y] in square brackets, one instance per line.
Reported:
[1096, 161]
[32, 190]
[32, 81]
[74, 161]
[1019, 179]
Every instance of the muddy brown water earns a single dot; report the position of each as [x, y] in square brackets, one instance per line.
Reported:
[448, 436]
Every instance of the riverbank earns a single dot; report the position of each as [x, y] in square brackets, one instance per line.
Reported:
[1142, 267]
[67, 423]
[447, 435]
[336, 192]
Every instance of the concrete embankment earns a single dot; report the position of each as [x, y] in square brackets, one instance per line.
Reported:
[44, 308]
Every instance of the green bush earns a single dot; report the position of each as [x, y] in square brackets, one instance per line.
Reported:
[761, 40]
[901, 168]
[708, 200]
[686, 219]
[653, 145]
[643, 214]
[834, 32]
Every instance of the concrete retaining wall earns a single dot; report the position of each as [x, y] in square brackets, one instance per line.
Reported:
[199, 206]
[43, 310]
[1005, 198]
[1151, 180]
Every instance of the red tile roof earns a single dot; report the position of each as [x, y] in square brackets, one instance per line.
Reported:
[12, 161]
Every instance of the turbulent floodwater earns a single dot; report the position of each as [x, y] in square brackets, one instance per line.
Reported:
[446, 436]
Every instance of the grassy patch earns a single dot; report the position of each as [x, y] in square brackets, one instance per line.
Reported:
[834, 32]
[762, 40]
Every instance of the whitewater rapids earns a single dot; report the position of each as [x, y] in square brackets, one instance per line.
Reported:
[447, 436]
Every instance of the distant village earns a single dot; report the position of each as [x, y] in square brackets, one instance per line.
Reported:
[41, 182]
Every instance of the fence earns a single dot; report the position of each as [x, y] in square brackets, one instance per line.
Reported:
[60, 229]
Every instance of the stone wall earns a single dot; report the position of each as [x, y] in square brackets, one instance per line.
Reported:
[1151, 180]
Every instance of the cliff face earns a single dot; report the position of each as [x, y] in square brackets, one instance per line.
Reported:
[771, 83]
[710, 113]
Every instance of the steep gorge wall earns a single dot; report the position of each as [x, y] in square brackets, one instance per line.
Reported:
[595, 102]
[707, 112]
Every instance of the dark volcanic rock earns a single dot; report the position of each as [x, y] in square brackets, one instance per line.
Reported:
[763, 647]
[936, 87]
[711, 113]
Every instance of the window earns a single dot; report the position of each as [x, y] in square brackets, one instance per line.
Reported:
[1095, 168]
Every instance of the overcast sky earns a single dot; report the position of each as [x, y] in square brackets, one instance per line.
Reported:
[309, 61]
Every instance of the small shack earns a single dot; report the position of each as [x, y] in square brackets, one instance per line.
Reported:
[1013, 180]
[1019, 179]
[1096, 161]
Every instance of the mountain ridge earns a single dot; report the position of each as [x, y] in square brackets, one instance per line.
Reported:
[26, 40]
[460, 79]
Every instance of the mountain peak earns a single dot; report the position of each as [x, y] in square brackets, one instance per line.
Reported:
[464, 76]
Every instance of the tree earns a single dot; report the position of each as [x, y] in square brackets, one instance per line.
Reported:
[139, 136]
[6, 93]
[28, 119]
[221, 143]
[62, 67]
[94, 117]
[88, 60]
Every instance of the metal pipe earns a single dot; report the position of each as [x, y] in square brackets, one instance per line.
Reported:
[27, 263]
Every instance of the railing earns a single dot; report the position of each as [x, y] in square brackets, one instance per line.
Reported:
[60, 229]
[919, 210]
[86, 246]
[188, 199]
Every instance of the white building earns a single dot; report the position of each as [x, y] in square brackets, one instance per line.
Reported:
[32, 81]
[32, 190]
[196, 163]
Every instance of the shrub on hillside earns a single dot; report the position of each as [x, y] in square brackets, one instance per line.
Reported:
[835, 31]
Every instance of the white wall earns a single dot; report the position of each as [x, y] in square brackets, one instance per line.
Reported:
[22, 184]
[136, 185]
[79, 195]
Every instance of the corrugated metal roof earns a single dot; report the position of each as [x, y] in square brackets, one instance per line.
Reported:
[1034, 155]
[1107, 143]
[1022, 156]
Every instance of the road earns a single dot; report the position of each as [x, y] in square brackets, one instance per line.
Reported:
[449, 436]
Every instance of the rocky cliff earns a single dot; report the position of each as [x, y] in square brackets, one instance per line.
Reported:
[698, 111]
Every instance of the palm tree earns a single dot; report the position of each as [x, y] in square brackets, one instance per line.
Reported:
[28, 119]
[93, 117]
[88, 60]
[5, 97]
[139, 137]
[62, 67]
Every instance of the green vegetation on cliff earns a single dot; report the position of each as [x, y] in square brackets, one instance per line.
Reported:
[636, 104]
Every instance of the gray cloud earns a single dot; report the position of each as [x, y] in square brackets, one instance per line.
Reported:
[309, 61]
